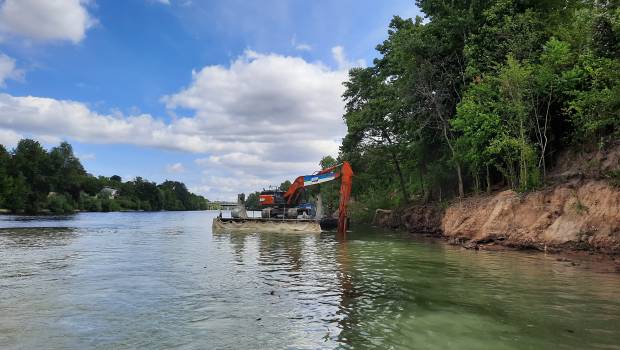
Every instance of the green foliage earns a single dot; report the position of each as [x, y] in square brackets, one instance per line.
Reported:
[31, 164]
[66, 170]
[5, 180]
[330, 191]
[58, 204]
[32, 180]
[18, 194]
[614, 178]
[483, 92]
[175, 196]
[595, 105]
[285, 185]
[580, 208]
[252, 202]
[108, 205]
[89, 203]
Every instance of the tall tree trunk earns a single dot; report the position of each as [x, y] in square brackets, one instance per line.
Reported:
[424, 190]
[458, 172]
[458, 165]
[488, 180]
[403, 188]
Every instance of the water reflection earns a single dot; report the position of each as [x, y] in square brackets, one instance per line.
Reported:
[36, 237]
[162, 281]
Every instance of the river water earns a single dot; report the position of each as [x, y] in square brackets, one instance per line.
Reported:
[163, 281]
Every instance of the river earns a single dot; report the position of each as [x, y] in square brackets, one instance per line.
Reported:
[163, 280]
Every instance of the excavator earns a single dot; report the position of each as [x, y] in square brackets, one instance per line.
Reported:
[284, 209]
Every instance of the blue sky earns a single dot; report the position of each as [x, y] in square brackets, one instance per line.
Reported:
[226, 96]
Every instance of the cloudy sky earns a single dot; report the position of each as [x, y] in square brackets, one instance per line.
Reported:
[227, 96]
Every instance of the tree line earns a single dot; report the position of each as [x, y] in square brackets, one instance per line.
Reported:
[34, 180]
[481, 94]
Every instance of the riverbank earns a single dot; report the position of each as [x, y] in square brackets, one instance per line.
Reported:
[579, 211]
[577, 215]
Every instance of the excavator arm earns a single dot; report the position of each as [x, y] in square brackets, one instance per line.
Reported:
[342, 171]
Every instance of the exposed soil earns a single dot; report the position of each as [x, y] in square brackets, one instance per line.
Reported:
[578, 213]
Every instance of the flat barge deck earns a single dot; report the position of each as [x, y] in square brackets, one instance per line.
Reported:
[252, 225]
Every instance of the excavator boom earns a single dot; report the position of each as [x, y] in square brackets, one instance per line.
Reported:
[325, 175]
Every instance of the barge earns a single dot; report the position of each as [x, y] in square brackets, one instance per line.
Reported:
[286, 211]
[253, 225]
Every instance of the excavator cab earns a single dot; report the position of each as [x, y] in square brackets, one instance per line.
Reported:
[271, 198]
[275, 205]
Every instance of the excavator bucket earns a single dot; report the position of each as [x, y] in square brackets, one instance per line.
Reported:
[346, 176]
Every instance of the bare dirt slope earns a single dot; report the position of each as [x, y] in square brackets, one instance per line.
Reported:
[578, 214]
[579, 210]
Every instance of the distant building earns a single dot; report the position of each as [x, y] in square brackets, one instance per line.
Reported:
[108, 192]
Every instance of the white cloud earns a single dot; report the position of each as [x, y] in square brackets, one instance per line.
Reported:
[227, 187]
[264, 101]
[175, 168]
[9, 138]
[8, 69]
[263, 119]
[303, 47]
[62, 118]
[46, 19]
[201, 161]
[49, 140]
[87, 156]
[342, 61]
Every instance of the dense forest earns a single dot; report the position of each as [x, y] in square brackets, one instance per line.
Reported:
[480, 95]
[33, 180]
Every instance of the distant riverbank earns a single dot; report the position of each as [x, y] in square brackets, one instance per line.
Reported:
[45, 212]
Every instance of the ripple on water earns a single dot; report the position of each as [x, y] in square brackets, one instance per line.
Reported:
[162, 280]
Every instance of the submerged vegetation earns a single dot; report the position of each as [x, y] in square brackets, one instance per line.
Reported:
[33, 180]
[481, 94]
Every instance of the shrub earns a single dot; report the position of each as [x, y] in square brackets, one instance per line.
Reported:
[614, 178]
[109, 205]
[58, 204]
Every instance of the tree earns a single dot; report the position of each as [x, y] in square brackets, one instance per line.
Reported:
[18, 194]
[478, 125]
[481, 88]
[372, 120]
[285, 185]
[32, 179]
[58, 204]
[330, 191]
[90, 185]
[252, 201]
[5, 181]
[66, 171]
[32, 163]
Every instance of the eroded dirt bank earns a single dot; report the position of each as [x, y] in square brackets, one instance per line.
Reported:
[575, 215]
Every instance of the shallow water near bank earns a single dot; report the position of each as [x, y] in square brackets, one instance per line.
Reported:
[163, 280]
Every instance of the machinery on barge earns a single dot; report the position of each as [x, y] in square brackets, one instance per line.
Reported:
[285, 211]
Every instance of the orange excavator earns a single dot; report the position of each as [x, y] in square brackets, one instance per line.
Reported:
[280, 204]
